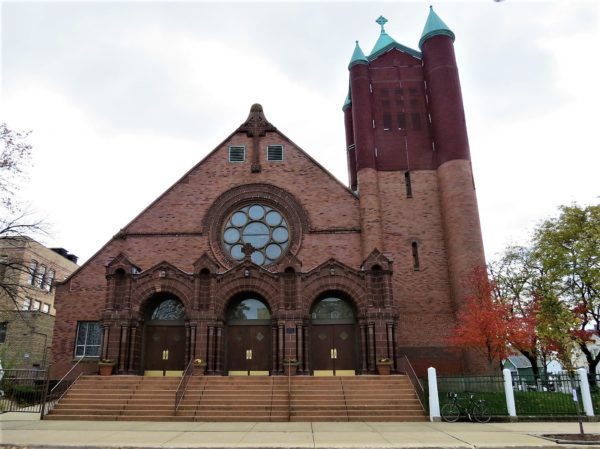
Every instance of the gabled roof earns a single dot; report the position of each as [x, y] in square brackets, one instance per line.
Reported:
[434, 27]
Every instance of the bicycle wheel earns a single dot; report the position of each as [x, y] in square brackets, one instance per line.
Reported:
[481, 413]
[450, 413]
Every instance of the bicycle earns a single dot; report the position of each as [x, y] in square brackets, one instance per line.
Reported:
[476, 409]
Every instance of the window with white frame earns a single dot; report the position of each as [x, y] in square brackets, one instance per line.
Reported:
[275, 153]
[32, 272]
[237, 154]
[26, 304]
[50, 280]
[40, 278]
[89, 336]
[45, 308]
[36, 305]
[3, 327]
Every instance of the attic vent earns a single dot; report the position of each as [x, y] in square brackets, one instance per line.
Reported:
[237, 154]
[275, 153]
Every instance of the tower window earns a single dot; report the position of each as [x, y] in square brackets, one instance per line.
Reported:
[387, 121]
[385, 92]
[398, 91]
[237, 154]
[275, 153]
[408, 184]
[415, 255]
[401, 120]
[385, 103]
[416, 121]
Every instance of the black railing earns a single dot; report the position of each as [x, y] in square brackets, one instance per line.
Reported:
[405, 367]
[185, 378]
[22, 390]
[59, 389]
[550, 395]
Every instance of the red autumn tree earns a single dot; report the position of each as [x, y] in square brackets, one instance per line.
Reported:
[484, 323]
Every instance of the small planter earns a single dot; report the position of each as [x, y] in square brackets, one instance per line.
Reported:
[290, 367]
[106, 368]
[199, 370]
[384, 366]
[199, 367]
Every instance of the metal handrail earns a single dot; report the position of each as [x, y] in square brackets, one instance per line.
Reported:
[414, 380]
[48, 404]
[185, 378]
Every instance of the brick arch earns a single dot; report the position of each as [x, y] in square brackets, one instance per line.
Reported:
[266, 288]
[344, 284]
[148, 288]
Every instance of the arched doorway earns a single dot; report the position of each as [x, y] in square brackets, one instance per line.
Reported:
[164, 336]
[333, 336]
[248, 336]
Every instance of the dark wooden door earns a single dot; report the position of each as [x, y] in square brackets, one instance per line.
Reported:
[165, 338]
[328, 337]
[255, 338]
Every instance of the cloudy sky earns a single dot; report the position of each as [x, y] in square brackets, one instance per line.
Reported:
[123, 98]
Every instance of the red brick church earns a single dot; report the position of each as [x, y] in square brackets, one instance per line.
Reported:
[258, 254]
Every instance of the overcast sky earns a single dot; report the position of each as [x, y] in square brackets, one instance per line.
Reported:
[124, 98]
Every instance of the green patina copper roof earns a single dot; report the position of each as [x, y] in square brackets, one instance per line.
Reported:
[347, 102]
[384, 39]
[434, 27]
[358, 57]
[385, 42]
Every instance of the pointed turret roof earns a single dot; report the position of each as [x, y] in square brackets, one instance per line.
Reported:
[358, 57]
[435, 27]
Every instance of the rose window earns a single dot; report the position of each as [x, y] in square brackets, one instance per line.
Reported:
[260, 226]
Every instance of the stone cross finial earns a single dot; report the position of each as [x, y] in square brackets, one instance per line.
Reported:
[381, 21]
[247, 249]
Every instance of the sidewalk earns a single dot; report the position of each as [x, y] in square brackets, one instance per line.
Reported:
[25, 430]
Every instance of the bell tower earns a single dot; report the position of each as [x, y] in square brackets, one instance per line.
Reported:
[409, 163]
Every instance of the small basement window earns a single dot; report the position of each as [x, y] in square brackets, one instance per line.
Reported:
[237, 154]
[275, 153]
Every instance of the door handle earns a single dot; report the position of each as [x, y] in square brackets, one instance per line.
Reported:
[248, 354]
[333, 353]
[165, 354]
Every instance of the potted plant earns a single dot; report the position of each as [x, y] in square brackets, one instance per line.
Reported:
[290, 366]
[199, 367]
[105, 367]
[384, 366]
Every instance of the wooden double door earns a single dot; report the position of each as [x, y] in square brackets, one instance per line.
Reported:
[249, 348]
[333, 348]
[165, 348]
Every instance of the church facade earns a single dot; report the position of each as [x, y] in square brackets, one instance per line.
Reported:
[258, 255]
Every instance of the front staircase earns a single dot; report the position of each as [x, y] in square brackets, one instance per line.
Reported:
[254, 398]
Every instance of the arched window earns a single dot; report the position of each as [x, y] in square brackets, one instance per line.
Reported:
[165, 309]
[333, 309]
[248, 309]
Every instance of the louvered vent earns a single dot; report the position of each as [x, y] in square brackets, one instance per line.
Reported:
[275, 153]
[237, 154]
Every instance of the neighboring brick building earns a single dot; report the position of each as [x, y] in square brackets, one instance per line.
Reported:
[258, 253]
[28, 270]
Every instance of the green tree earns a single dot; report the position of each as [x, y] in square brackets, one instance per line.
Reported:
[568, 250]
[521, 282]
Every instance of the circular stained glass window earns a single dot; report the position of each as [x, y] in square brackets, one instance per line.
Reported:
[260, 226]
